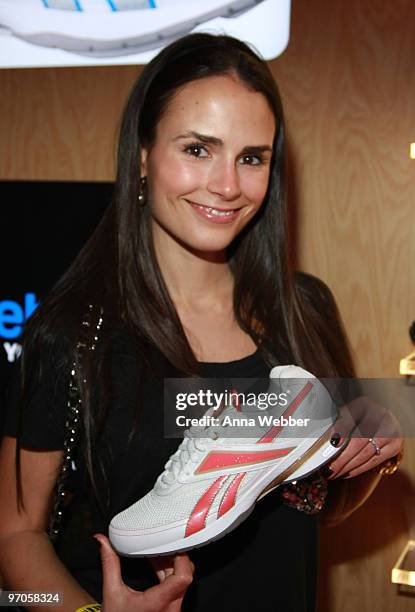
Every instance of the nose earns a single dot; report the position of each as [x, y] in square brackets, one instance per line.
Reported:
[224, 180]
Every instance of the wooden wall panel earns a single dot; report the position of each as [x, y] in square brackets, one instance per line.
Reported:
[348, 85]
[61, 124]
[348, 88]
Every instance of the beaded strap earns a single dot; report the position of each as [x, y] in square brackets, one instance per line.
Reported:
[87, 342]
[306, 495]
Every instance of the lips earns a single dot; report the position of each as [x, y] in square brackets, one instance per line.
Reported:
[214, 214]
[215, 209]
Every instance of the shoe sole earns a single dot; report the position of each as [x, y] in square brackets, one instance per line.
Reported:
[77, 31]
[299, 468]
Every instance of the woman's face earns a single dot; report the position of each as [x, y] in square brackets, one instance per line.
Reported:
[208, 170]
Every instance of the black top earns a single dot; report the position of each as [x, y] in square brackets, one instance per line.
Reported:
[268, 563]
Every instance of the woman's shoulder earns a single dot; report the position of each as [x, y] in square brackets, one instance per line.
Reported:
[322, 322]
[316, 300]
[313, 289]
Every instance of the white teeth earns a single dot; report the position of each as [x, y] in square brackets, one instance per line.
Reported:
[218, 213]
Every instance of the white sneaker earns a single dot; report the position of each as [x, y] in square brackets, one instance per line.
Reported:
[211, 483]
[111, 27]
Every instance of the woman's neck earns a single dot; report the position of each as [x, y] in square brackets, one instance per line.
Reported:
[195, 280]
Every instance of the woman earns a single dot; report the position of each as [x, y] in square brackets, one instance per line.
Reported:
[189, 271]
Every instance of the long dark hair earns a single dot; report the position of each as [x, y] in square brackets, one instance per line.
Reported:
[117, 268]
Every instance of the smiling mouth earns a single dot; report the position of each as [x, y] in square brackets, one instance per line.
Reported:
[218, 212]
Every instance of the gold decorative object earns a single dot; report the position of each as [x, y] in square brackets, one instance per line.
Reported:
[407, 365]
[403, 572]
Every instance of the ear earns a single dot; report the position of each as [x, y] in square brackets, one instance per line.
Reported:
[143, 164]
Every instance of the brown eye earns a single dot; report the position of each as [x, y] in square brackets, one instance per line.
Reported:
[196, 150]
[251, 160]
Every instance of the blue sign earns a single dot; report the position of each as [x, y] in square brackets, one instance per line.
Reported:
[13, 316]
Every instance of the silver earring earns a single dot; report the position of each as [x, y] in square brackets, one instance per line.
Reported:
[142, 192]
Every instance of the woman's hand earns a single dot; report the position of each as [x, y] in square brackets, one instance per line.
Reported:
[174, 573]
[364, 420]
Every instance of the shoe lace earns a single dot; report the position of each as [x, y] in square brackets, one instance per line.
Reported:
[189, 451]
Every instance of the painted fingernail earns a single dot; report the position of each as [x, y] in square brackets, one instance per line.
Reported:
[327, 472]
[335, 439]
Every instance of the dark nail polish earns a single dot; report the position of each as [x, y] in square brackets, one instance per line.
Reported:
[327, 472]
[335, 439]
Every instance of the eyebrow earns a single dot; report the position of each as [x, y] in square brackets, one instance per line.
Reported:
[213, 140]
